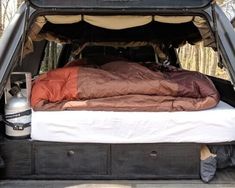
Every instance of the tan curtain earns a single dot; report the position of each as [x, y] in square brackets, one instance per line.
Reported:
[32, 36]
[207, 36]
[64, 19]
[117, 22]
[173, 19]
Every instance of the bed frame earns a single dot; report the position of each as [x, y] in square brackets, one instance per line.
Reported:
[27, 159]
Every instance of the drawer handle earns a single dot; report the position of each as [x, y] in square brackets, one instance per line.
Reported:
[70, 153]
[153, 154]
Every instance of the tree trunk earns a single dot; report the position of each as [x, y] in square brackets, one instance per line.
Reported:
[1, 24]
[214, 64]
[47, 57]
[4, 13]
[197, 57]
[204, 60]
[209, 54]
[190, 57]
[19, 2]
[53, 54]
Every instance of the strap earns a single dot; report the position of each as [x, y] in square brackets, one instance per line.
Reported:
[18, 126]
[24, 113]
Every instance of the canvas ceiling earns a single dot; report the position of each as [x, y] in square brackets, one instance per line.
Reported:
[114, 22]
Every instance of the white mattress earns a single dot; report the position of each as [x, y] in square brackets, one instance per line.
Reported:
[208, 126]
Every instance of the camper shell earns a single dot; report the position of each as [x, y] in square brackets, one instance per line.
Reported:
[90, 27]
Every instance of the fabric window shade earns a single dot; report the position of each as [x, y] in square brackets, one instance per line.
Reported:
[66, 19]
[117, 22]
[173, 19]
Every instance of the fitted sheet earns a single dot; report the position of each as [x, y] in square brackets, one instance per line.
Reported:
[207, 126]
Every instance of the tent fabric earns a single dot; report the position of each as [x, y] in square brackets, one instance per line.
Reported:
[114, 22]
[33, 34]
[207, 36]
[52, 37]
[117, 22]
[66, 19]
[37, 26]
[173, 19]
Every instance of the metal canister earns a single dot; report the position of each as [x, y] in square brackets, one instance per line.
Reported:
[18, 114]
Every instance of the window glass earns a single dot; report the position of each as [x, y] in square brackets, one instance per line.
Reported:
[50, 60]
[228, 7]
[202, 59]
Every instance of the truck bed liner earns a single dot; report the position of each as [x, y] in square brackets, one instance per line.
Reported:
[224, 178]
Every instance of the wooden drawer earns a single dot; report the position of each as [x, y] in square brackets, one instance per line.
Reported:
[71, 159]
[156, 160]
[17, 158]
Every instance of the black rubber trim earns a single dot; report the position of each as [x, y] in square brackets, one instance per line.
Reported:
[19, 126]
[24, 113]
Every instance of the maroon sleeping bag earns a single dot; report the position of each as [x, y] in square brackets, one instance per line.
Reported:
[123, 86]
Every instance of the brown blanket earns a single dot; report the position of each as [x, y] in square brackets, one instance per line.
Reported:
[123, 86]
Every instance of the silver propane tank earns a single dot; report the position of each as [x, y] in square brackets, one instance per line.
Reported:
[17, 115]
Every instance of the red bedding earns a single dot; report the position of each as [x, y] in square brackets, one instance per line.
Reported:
[123, 86]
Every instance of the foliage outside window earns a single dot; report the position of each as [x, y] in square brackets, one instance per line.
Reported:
[51, 57]
[202, 59]
[7, 10]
